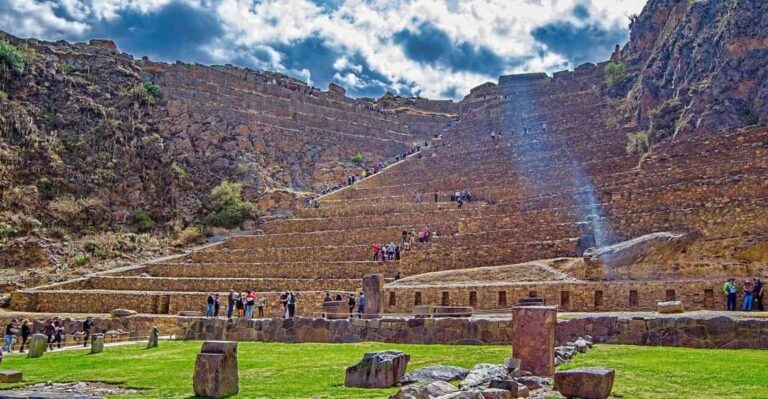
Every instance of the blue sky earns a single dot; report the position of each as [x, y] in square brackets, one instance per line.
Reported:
[431, 48]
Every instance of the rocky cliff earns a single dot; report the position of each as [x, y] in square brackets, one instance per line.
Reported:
[702, 65]
[90, 138]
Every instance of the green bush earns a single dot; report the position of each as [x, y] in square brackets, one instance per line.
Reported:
[178, 170]
[614, 72]
[143, 221]
[229, 209]
[11, 57]
[152, 89]
[639, 143]
[358, 158]
[80, 260]
[664, 117]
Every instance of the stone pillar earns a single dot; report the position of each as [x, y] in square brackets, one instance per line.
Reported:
[154, 335]
[216, 370]
[534, 338]
[37, 345]
[97, 343]
[373, 289]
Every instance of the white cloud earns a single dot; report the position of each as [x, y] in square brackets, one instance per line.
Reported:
[360, 29]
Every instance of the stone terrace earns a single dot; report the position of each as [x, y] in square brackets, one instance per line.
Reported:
[558, 169]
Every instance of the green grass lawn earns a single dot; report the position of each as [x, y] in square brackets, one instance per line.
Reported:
[267, 370]
[273, 370]
[661, 372]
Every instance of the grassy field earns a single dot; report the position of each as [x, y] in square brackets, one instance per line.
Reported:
[661, 372]
[273, 370]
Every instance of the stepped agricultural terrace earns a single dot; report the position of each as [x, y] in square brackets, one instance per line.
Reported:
[545, 161]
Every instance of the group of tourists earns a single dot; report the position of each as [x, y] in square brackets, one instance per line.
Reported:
[751, 294]
[52, 328]
[460, 197]
[243, 304]
[386, 252]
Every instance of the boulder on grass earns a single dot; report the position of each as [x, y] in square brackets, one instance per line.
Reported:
[670, 307]
[216, 374]
[97, 343]
[434, 373]
[9, 376]
[37, 345]
[482, 374]
[123, 312]
[377, 370]
[585, 382]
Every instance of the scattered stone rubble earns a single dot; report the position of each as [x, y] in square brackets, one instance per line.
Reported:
[492, 381]
[68, 390]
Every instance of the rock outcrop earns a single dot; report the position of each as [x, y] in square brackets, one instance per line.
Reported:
[377, 370]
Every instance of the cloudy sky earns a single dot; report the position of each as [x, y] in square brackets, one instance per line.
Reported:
[431, 48]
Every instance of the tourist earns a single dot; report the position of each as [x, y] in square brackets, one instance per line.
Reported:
[338, 297]
[397, 252]
[249, 302]
[230, 303]
[10, 331]
[757, 294]
[87, 324]
[351, 302]
[292, 304]
[460, 202]
[435, 196]
[361, 304]
[209, 305]
[49, 330]
[397, 276]
[284, 302]
[729, 290]
[327, 297]
[746, 303]
[376, 250]
[59, 331]
[216, 306]
[240, 305]
[261, 304]
[26, 331]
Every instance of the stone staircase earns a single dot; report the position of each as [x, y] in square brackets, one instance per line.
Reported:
[534, 192]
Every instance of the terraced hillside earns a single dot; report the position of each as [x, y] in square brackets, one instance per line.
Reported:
[548, 172]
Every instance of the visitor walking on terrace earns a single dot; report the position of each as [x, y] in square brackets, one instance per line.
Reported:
[292, 302]
[757, 294]
[261, 303]
[729, 290]
[58, 331]
[49, 330]
[87, 325]
[361, 304]
[209, 305]
[240, 304]
[250, 299]
[746, 304]
[351, 302]
[26, 331]
[230, 303]
[216, 305]
[10, 335]
[435, 196]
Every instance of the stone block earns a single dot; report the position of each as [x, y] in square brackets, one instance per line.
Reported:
[97, 343]
[422, 310]
[336, 310]
[37, 345]
[534, 338]
[452, 311]
[377, 370]
[154, 336]
[493, 393]
[216, 374]
[123, 312]
[373, 289]
[9, 376]
[670, 307]
[585, 383]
